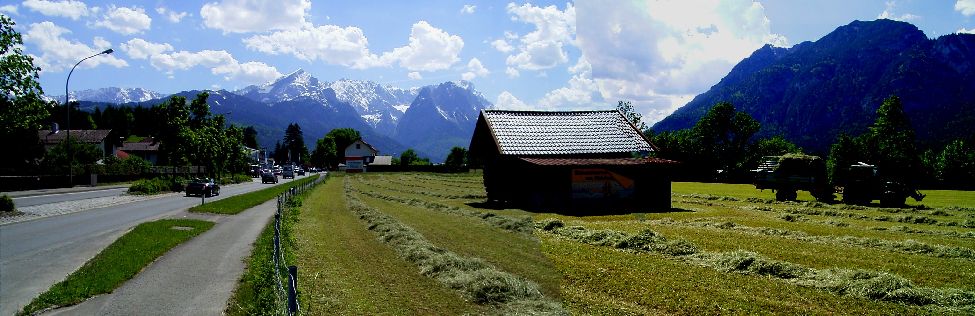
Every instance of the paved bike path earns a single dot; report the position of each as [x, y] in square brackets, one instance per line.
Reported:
[195, 278]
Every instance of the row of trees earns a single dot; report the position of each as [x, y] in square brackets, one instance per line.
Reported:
[721, 147]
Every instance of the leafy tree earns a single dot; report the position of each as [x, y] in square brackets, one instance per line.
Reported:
[775, 146]
[280, 153]
[324, 152]
[956, 164]
[340, 138]
[408, 157]
[56, 158]
[250, 137]
[174, 135]
[21, 107]
[889, 142]
[631, 115]
[720, 137]
[845, 152]
[457, 157]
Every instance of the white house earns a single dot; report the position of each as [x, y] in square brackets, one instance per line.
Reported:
[358, 155]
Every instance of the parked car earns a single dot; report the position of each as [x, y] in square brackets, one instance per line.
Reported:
[268, 177]
[202, 186]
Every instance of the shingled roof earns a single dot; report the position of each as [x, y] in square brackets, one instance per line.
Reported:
[522, 133]
[91, 136]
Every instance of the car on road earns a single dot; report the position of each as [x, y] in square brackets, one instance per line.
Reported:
[268, 177]
[300, 171]
[203, 187]
[288, 172]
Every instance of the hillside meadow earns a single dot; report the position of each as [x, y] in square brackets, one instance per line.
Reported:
[423, 243]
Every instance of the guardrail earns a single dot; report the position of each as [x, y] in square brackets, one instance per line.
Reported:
[290, 295]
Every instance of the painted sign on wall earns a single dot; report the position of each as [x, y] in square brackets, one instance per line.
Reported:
[597, 183]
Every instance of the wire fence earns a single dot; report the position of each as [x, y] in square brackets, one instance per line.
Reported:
[289, 294]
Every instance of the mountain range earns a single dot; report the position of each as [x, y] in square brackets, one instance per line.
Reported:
[813, 91]
[430, 119]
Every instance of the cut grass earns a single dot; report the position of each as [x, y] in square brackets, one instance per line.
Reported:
[345, 270]
[239, 203]
[119, 262]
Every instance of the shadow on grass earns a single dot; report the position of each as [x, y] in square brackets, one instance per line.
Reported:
[575, 210]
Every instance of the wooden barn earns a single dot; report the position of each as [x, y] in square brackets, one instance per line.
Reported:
[590, 159]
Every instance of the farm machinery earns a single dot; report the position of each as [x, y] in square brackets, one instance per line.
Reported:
[792, 172]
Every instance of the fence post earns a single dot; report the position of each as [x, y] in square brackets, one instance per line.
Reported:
[292, 290]
[277, 239]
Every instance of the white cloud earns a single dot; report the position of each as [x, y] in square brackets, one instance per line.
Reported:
[125, 20]
[502, 46]
[329, 43]
[58, 53]
[430, 49]
[10, 8]
[657, 54]
[70, 9]
[170, 15]
[542, 48]
[967, 31]
[138, 48]
[507, 101]
[468, 9]
[220, 62]
[413, 75]
[966, 7]
[511, 72]
[475, 69]
[244, 16]
[889, 8]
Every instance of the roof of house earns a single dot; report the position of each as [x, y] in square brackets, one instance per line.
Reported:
[140, 146]
[382, 160]
[563, 133]
[373, 149]
[85, 135]
[593, 162]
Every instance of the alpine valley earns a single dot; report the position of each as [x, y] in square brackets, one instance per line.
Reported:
[430, 119]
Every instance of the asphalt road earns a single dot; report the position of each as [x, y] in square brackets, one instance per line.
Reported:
[38, 253]
[25, 201]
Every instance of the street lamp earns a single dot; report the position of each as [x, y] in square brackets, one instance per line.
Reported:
[68, 107]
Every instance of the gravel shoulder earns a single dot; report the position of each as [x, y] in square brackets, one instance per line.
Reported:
[67, 207]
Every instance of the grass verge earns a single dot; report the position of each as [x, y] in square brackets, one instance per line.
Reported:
[239, 203]
[257, 290]
[119, 262]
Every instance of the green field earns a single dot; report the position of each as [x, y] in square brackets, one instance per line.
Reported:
[419, 243]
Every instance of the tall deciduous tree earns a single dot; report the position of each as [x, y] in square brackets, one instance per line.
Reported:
[955, 164]
[845, 152]
[720, 137]
[250, 137]
[457, 157]
[408, 157]
[21, 107]
[890, 142]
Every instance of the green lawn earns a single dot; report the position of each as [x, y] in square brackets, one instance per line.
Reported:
[850, 259]
[239, 203]
[119, 262]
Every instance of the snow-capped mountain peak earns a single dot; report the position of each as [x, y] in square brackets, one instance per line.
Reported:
[112, 95]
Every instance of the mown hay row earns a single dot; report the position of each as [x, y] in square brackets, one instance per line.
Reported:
[473, 278]
[402, 189]
[866, 284]
[907, 246]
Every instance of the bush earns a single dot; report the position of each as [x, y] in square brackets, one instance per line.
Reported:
[7, 204]
[156, 186]
[235, 178]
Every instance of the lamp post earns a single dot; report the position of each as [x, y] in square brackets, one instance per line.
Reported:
[68, 107]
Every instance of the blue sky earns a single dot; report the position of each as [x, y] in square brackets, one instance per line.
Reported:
[521, 55]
